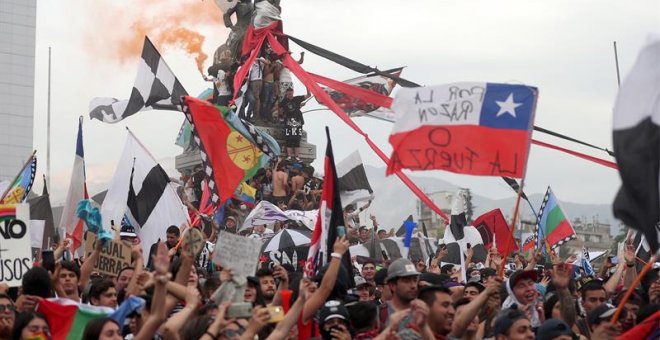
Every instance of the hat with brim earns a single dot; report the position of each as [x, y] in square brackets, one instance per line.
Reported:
[553, 328]
[521, 275]
[601, 313]
[127, 231]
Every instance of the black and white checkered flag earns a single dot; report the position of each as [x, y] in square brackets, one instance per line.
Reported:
[155, 87]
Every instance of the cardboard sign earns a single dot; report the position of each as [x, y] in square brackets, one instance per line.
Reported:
[113, 258]
[238, 253]
[194, 241]
[15, 250]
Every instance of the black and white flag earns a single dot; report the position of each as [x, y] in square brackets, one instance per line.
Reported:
[141, 189]
[637, 145]
[458, 235]
[155, 87]
[353, 183]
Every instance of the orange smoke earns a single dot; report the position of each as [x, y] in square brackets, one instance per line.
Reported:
[168, 23]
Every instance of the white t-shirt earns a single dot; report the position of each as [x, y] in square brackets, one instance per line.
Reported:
[285, 75]
[221, 84]
[256, 70]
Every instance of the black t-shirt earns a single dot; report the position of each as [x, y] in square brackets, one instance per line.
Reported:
[293, 118]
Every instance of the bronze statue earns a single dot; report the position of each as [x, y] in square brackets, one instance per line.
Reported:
[243, 10]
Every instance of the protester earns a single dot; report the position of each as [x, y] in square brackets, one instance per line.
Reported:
[293, 122]
[102, 329]
[30, 325]
[7, 316]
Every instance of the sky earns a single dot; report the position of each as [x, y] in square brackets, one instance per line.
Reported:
[565, 48]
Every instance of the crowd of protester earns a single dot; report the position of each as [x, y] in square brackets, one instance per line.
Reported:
[398, 299]
[537, 296]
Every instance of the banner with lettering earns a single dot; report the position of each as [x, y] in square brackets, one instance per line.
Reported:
[470, 128]
[115, 256]
[293, 256]
[15, 249]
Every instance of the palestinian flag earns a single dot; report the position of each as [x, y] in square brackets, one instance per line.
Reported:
[228, 156]
[67, 318]
[553, 222]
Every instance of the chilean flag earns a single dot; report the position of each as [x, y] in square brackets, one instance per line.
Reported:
[470, 128]
[70, 223]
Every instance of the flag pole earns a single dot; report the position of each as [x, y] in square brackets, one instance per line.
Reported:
[13, 181]
[616, 62]
[500, 272]
[48, 124]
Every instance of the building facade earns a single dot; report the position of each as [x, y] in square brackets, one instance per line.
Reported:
[18, 19]
[592, 234]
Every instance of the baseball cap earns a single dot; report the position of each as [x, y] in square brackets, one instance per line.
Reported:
[127, 230]
[231, 218]
[522, 274]
[333, 309]
[359, 281]
[602, 313]
[401, 268]
[553, 328]
[506, 318]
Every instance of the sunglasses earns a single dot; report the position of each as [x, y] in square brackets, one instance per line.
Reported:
[7, 307]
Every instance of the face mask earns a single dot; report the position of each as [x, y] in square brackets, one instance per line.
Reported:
[40, 336]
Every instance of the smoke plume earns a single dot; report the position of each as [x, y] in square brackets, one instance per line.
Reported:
[169, 24]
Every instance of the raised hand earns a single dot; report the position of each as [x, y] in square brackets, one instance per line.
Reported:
[561, 275]
[629, 253]
[193, 297]
[161, 260]
[280, 273]
[340, 333]
[341, 245]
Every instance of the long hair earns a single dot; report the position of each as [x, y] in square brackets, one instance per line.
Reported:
[22, 320]
[95, 327]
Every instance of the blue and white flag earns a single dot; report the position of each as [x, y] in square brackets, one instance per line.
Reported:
[586, 265]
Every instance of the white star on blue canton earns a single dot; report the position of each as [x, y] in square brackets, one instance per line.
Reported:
[508, 106]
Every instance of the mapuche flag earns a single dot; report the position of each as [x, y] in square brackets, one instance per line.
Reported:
[470, 128]
[227, 155]
[637, 146]
[330, 216]
[553, 222]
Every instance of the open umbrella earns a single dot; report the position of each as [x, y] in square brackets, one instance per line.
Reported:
[286, 238]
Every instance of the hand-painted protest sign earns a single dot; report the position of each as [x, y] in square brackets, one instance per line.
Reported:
[15, 250]
[238, 253]
[194, 241]
[113, 258]
[470, 128]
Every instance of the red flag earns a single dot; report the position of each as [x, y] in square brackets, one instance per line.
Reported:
[493, 227]
[218, 143]
[330, 216]
[323, 97]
